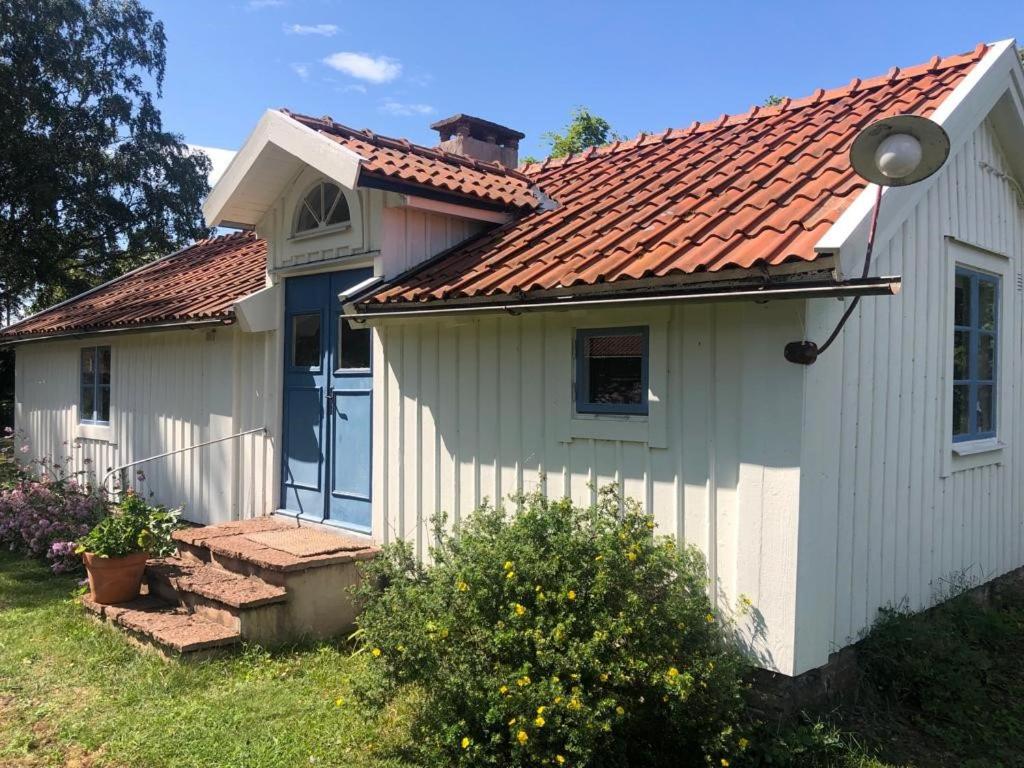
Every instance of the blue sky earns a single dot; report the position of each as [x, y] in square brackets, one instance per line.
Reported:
[397, 66]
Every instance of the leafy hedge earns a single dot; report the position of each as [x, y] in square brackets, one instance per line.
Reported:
[555, 636]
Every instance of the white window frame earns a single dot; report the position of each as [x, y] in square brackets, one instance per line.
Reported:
[969, 454]
[91, 430]
[322, 229]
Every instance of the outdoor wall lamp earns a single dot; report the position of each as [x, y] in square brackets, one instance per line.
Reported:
[892, 152]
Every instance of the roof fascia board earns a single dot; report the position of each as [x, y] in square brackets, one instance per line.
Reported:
[872, 286]
[454, 209]
[329, 157]
[377, 181]
[959, 114]
[173, 325]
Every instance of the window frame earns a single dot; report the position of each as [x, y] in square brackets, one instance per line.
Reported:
[97, 387]
[321, 228]
[582, 373]
[975, 332]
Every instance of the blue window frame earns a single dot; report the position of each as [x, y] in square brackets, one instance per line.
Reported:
[612, 370]
[975, 347]
[94, 393]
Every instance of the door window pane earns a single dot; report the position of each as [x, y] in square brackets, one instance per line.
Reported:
[985, 409]
[353, 346]
[961, 350]
[306, 340]
[986, 305]
[960, 414]
[962, 300]
[612, 371]
[986, 356]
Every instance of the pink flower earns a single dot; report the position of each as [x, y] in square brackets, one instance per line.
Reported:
[24, 449]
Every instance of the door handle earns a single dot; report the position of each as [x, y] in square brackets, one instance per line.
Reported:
[331, 395]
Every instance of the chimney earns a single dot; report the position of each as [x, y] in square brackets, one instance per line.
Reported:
[479, 139]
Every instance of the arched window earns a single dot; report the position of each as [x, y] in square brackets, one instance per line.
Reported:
[324, 206]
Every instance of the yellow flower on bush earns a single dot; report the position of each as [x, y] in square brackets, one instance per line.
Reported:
[338, 702]
[503, 690]
[673, 672]
[604, 677]
[520, 609]
[619, 710]
[539, 721]
[710, 619]
[462, 586]
[540, 710]
[522, 681]
[522, 737]
[571, 594]
[744, 742]
[631, 556]
[375, 652]
[508, 565]
[465, 742]
[510, 575]
[559, 759]
[575, 703]
[725, 763]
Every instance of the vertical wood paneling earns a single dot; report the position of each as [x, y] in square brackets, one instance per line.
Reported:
[169, 390]
[910, 518]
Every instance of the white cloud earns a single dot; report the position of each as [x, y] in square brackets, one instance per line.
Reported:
[324, 30]
[302, 70]
[401, 109]
[220, 159]
[258, 5]
[362, 66]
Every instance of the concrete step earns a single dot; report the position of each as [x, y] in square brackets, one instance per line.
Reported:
[168, 628]
[317, 566]
[243, 603]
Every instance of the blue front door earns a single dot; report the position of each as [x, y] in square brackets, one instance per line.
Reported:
[328, 404]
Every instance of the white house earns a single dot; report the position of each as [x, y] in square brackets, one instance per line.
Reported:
[421, 329]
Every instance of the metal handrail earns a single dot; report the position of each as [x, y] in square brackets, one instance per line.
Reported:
[193, 447]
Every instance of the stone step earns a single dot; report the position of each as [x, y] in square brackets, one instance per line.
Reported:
[248, 547]
[243, 603]
[168, 628]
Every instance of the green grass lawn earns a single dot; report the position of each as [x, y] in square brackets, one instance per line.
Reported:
[75, 693]
[941, 689]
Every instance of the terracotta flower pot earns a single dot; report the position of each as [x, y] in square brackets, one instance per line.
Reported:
[115, 579]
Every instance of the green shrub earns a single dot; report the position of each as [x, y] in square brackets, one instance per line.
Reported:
[134, 527]
[554, 636]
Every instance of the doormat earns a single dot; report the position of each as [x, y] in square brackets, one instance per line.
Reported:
[306, 542]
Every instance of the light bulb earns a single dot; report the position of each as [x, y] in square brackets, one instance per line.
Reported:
[898, 155]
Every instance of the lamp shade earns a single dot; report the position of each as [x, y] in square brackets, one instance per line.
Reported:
[899, 150]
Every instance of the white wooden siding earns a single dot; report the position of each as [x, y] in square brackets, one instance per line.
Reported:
[894, 513]
[474, 410]
[169, 390]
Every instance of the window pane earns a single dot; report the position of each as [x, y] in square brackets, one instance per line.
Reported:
[962, 300]
[961, 345]
[615, 365]
[985, 411]
[960, 411]
[330, 192]
[103, 412]
[306, 341]
[340, 214]
[88, 367]
[88, 412]
[104, 365]
[986, 305]
[353, 346]
[986, 356]
[307, 220]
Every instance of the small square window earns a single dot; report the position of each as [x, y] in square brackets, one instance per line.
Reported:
[94, 392]
[612, 370]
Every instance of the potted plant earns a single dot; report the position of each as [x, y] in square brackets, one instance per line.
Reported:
[115, 551]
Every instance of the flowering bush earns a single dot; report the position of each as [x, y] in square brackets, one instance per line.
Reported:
[43, 511]
[555, 636]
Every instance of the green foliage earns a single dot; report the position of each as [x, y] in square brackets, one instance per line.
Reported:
[772, 101]
[584, 130]
[135, 526]
[557, 635]
[90, 182]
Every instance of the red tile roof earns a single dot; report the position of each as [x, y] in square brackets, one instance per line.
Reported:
[754, 189]
[201, 282]
[401, 160]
